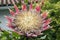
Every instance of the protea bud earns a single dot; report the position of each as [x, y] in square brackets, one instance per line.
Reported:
[28, 22]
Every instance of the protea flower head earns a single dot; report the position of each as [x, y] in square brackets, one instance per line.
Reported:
[29, 22]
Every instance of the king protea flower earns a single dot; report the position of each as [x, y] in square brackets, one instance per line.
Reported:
[29, 22]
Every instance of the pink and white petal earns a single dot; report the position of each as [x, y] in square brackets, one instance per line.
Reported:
[11, 12]
[37, 32]
[30, 6]
[44, 14]
[29, 34]
[9, 18]
[16, 8]
[24, 7]
[34, 35]
[9, 24]
[46, 21]
[46, 27]
[38, 8]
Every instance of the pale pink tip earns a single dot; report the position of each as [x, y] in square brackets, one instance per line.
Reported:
[9, 19]
[46, 27]
[16, 8]
[34, 35]
[29, 34]
[24, 7]
[47, 22]
[11, 12]
[31, 6]
[38, 9]
[44, 14]
[9, 24]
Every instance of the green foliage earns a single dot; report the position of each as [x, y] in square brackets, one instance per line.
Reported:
[53, 6]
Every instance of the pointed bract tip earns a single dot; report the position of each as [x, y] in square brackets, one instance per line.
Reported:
[8, 18]
[16, 8]
[46, 28]
[31, 6]
[11, 12]
[48, 21]
[24, 7]
[34, 35]
[44, 14]
[9, 24]
[38, 8]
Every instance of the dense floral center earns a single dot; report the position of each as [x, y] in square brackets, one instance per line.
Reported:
[28, 21]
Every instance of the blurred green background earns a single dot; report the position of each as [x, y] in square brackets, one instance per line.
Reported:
[53, 6]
